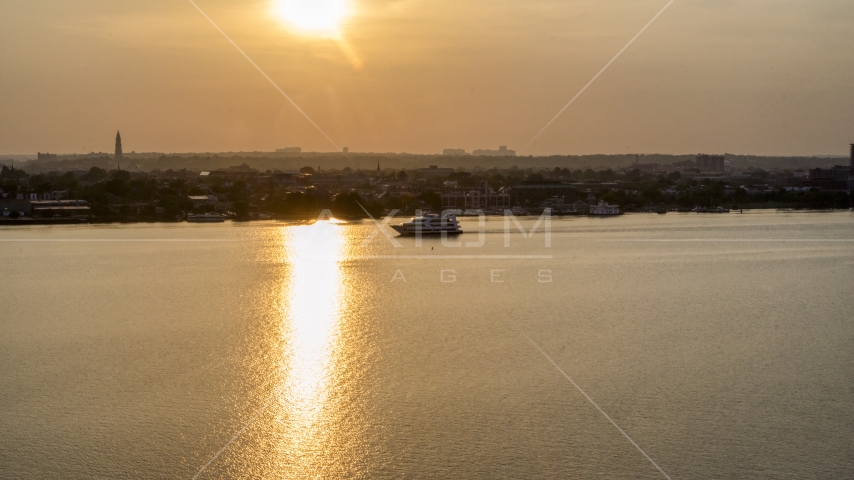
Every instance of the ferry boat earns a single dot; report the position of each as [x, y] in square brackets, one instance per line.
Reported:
[430, 225]
[205, 218]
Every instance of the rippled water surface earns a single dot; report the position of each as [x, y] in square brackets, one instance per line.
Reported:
[722, 345]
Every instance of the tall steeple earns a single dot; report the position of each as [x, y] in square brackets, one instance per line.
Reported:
[378, 169]
[118, 145]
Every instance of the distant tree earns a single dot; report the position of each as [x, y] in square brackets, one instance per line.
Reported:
[241, 209]
[607, 175]
[117, 187]
[123, 175]
[12, 172]
[349, 205]
[651, 194]
[614, 197]
[431, 199]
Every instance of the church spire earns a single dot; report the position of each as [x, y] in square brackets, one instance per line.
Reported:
[118, 145]
[378, 169]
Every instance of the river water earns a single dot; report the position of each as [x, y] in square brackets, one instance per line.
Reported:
[721, 345]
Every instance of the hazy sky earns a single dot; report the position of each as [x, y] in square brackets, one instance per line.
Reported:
[739, 76]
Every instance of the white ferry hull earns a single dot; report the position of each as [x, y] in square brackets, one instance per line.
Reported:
[424, 233]
[429, 225]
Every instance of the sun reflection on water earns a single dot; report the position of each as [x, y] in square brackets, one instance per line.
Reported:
[314, 298]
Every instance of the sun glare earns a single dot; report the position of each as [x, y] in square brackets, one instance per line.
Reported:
[312, 16]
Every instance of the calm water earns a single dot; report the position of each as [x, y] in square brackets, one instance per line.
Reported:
[723, 345]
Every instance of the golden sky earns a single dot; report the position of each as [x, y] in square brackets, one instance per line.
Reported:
[769, 77]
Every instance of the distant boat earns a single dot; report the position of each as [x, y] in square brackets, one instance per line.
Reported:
[430, 225]
[205, 218]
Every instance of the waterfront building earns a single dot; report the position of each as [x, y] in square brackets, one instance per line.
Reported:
[59, 208]
[580, 207]
[604, 209]
[22, 207]
[837, 178]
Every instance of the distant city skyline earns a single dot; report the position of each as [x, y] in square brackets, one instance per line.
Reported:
[745, 78]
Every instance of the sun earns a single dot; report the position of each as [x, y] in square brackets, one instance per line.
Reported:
[312, 16]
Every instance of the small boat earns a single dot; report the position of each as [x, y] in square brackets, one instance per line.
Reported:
[430, 225]
[205, 218]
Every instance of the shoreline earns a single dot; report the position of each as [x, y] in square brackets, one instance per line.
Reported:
[28, 221]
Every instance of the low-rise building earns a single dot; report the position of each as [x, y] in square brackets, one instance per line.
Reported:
[604, 209]
[454, 151]
[21, 207]
[60, 208]
[715, 163]
[435, 171]
[501, 152]
[202, 200]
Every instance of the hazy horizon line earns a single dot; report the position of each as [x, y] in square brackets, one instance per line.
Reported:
[358, 153]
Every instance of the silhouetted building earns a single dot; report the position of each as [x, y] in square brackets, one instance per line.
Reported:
[242, 172]
[20, 206]
[604, 209]
[118, 146]
[837, 178]
[203, 200]
[435, 171]
[289, 150]
[454, 151]
[501, 152]
[711, 162]
[47, 156]
[60, 208]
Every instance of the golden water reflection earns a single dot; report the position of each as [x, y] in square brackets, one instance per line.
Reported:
[313, 299]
